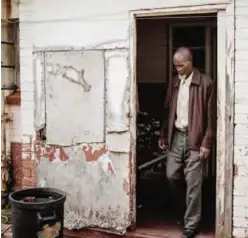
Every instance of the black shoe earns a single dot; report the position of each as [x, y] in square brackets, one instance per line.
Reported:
[189, 234]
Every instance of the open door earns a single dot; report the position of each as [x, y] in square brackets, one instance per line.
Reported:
[82, 108]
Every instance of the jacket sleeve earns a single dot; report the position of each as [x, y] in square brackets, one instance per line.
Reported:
[210, 133]
[164, 121]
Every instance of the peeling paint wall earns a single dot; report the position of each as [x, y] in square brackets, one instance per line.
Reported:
[82, 111]
[93, 178]
[94, 169]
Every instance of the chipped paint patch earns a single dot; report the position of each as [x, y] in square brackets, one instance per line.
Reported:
[51, 153]
[106, 164]
[95, 190]
[93, 152]
[63, 156]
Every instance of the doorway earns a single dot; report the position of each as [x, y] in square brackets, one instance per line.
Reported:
[157, 39]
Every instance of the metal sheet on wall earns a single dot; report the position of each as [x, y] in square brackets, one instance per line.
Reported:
[74, 97]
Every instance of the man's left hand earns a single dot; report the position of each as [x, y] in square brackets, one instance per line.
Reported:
[204, 153]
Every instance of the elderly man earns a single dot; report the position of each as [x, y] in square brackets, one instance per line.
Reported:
[188, 132]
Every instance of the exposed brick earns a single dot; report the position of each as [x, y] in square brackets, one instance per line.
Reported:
[16, 149]
[28, 164]
[14, 98]
[26, 147]
[33, 173]
[18, 183]
[30, 182]
[17, 163]
[26, 172]
[17, 173]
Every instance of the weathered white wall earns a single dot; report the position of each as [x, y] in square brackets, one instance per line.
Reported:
[55, 24]
[240, 211]
[105, 24]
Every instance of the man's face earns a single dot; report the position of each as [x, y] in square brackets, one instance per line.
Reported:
[182, 64]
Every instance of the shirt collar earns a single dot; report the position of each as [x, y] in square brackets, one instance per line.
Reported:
[186, 80]
[196, 79]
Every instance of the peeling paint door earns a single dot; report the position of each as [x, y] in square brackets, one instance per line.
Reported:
[86, 151]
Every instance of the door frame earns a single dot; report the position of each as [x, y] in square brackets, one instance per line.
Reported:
[225, 107]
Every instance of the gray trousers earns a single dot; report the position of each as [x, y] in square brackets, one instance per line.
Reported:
[179, 159]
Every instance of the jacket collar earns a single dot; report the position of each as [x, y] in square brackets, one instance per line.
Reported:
[196, 78]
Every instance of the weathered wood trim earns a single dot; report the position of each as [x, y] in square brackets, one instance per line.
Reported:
[179, 10]
[229, 119]
[225, 103]
[221, 92]
[225, 142]
[133, 114]
[225, 122]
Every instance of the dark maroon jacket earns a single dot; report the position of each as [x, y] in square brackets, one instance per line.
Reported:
[202, 111]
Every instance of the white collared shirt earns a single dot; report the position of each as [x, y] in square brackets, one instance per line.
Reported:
[183, 102]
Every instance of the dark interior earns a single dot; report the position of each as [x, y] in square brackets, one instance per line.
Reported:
[157, 39]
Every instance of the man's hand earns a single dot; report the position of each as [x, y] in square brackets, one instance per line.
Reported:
[204, 153]
[161, 144]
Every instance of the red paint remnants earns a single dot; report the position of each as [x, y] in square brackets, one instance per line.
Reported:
[93, 156]
[62, 155]
[48, 152]
[14, 98]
